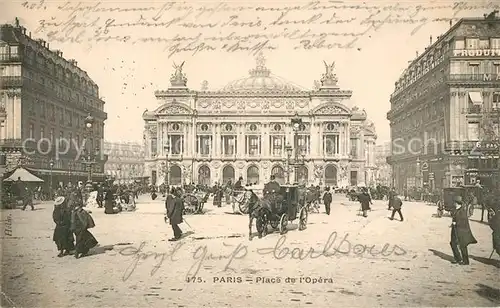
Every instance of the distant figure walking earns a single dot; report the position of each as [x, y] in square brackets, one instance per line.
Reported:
[174, 214]
[327, 200]
[396, 206]
[365, 200]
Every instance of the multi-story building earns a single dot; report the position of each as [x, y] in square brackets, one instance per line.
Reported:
[441, 103]
[125, 161]
[46, 98]
[384, 170]
[245, 130]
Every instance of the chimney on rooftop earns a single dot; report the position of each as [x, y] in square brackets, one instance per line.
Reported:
[451, 23]
[416, 52]
[48, 45]
[29, 34]
[430, 40]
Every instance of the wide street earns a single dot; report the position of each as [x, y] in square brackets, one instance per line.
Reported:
[135, 265]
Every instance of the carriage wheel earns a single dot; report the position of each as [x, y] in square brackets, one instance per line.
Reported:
[283, 223]
[303, 218]
[261, 225]
[274, 224]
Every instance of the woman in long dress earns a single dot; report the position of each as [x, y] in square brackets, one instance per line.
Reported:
[81, 221]
[63, 236]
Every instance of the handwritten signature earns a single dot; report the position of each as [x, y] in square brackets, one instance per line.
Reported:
[228, 27]
[279, 251]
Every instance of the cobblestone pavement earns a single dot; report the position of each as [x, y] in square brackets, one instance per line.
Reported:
[233, 271]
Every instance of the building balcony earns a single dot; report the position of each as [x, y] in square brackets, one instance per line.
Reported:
[475, 109]
[459, 146]
[8, 57]
[332, 155]
[11, 143]
[11, 81]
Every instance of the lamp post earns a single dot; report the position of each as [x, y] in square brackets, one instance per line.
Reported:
[167, 171]
[297, 125]
[51, 165]
[89, 157]
[119, 169]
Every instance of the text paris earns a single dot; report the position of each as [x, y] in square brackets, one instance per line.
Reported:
[344, 247]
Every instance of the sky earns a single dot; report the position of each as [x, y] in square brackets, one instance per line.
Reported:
[129, 72]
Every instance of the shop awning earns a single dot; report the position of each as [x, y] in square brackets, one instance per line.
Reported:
[23, 175]
[476, 98]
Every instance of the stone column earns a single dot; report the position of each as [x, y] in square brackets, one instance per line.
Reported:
[321, 141]
[241, 140]
[265, 140]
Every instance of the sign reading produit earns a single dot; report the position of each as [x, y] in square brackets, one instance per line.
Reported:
[476, 52]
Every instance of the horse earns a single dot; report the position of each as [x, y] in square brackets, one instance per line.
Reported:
[260, 210]
[310, 198]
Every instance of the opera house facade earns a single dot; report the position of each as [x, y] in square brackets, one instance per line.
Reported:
[245, 129]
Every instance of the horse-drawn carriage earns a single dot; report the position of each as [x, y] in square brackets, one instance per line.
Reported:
[194, 202]
[277, 210]
[470, 197]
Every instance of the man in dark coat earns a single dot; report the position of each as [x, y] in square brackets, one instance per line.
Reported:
[396, 206]
[327, 200]
[390, 196]
[109, 200]
[272, 186]
[100, 196]
[272, 193]
[174, 214]
[63, 236]
[365, 200]
[461, 234]
[494, 223]
[170, 199]
[238, 185]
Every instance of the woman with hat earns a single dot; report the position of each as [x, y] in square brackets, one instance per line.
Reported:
[81, 221]
[461, 234]
[63, 236]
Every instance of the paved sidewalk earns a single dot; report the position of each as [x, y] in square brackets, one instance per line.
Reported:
[421, 275]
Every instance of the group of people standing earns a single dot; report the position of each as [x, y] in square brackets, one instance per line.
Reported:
[71, 233]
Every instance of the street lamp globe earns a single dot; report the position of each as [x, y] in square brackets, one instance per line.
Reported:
[89, 121]
[51, 163]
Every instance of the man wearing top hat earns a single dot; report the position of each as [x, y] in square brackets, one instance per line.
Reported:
[271, 190]
[461, 234]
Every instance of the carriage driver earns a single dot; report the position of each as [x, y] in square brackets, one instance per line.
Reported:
[272, 186]
[272, 191]
[238, 185]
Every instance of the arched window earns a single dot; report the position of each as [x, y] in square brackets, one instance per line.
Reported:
[252, 175]
[175, 175]
[228, 174]
[331, 176]
[204, 175]
[278, 173]
[302, 175]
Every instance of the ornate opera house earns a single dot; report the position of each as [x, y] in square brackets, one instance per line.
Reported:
[245, 129]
